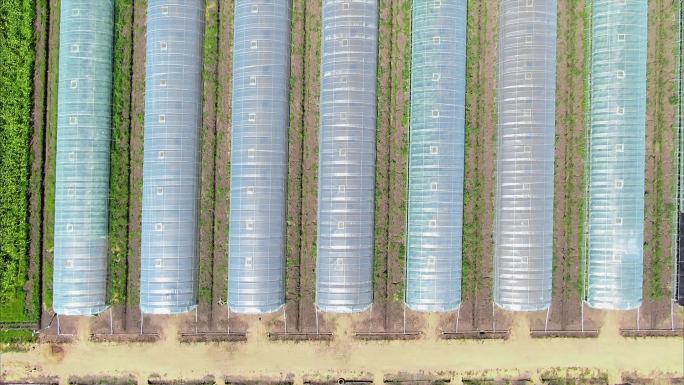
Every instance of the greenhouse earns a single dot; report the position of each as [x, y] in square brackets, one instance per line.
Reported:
[344, 269]
[261, 70]
[82, 164]
[173, 116]
[436, 155]
[617, 154]
[526, 92]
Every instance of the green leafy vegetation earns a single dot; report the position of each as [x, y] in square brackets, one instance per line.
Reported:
[16, 73]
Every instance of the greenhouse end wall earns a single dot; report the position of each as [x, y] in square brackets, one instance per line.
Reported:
[617, 154]
[436, 155]
[525, 155]
[344, 269]
[261, 63]
[82, 160]
[173, 113]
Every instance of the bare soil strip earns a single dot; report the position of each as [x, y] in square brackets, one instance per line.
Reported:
[35, 207]
[208, 156]
[294, 173]
[132, 312]
[312, 47]
[222, 166]
[49, 158]
[660, 146]
[569, 189]
[400, 64]
[478, 246]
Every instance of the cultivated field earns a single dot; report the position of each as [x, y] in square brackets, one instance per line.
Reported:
[28, 116]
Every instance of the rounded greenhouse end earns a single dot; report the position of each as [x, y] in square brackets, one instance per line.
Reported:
[80, 310]
[617, 305]
[343, 309]
[255, 310]
[166, 310]
[434, 307]
[523, 307]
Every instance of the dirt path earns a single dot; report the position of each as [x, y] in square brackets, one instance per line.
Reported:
[660, 139]
[49, 158]
[609, 353]
[569, 172]
[400, 66]
[312, 47]
[294, 173]
[222, 166]
[478, 247]
[208, 156]
[35, 207]
[132, 312]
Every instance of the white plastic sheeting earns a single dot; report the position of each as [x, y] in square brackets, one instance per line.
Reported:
[261, 63]
[344, 268]
[83, 143]
[173, 113]
[525, 155]
[617, 154]
[436, 155]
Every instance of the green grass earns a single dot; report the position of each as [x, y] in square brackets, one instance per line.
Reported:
[16, 340]
[17, 57]
[119, 155]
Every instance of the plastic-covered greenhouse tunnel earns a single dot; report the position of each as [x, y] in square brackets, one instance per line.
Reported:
[173, 113]
[617, 154]
[344, 269]
[261, 63]
[436, 155]
[525, 155]
[82, 164]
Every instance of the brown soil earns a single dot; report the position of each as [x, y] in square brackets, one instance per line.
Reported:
[222, 170]
[207, 166]
[49, 158]
[307, 282]
[481, 126]
[35, 208]
[294, 173]
[132, 311]
[660, 139]
[565, 311]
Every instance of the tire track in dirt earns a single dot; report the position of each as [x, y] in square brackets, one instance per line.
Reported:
[312, 48]
[660, 138]
[207, 166]
[569, 168]
[132, 313]
[294, 173]
[222, 166]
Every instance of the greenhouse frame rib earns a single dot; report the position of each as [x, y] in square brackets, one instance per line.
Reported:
[173, 113]
[617, 148]
[344, 267]
[436, 155]
[82, 164]
[526, 97]
[261, 70]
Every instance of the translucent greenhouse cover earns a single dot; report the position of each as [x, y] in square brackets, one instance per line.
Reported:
[617, 154]
[173, 113]
[344, 269]
[83, 134]
[436, 155]
[525, 155]
[261, 64]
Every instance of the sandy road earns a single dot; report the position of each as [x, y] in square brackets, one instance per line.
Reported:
[345, 356]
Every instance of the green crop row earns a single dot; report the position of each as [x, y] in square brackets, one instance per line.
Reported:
[16, 74]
